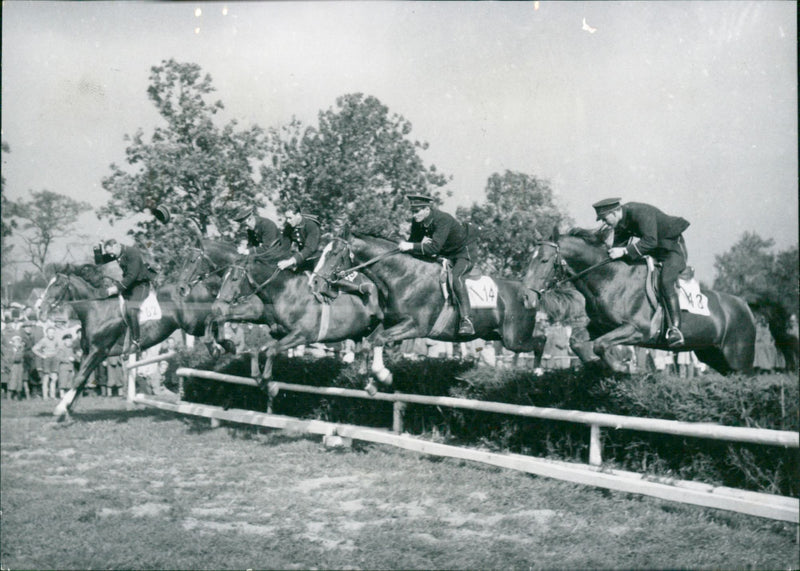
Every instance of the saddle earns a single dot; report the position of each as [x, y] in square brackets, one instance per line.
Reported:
[446, 278]
[689, 297]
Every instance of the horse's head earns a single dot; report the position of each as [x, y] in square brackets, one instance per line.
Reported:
[546, 266]
[208, 259]
[57, 291]
[336, 259]
[236, 283]
[194, 270]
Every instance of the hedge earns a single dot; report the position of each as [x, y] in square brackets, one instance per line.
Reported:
[764, 401]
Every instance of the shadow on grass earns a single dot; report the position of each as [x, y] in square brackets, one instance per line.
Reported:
[118, 416]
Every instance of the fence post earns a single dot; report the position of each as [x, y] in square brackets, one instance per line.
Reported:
[131, 378]
[397, 421]
[595, 446]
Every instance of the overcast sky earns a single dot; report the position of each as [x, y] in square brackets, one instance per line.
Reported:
[690, 106]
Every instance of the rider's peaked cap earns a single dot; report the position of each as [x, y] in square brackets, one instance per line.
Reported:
[419, 200]
[606, 205]
[243, 212]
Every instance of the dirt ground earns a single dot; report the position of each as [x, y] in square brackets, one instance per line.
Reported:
[151, 490]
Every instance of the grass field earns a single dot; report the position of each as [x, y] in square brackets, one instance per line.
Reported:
[143, 489]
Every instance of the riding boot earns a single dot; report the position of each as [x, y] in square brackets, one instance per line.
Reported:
[674, 335]
[133, 325]
[465, 326]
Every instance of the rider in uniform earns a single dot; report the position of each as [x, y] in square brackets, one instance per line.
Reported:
[137, 277]
[303, 231]
[660, 236]
[436, 233]
[261, 232]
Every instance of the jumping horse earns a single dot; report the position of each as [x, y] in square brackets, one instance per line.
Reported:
[414, 301]
[182, 306]
[256, 291]
[721, 332]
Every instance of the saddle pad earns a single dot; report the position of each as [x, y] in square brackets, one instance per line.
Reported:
[690, 297]
[482, 293]
[149, 310]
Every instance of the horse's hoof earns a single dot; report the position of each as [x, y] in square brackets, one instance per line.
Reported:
[385, 376]
[371, 389]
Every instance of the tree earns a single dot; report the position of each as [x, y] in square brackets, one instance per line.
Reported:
[749, 270]
[518, 210]
[190, 165]
[358, 164]
[45, 218]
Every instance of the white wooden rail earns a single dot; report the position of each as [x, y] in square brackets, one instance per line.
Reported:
[764, 505]
[136, 364]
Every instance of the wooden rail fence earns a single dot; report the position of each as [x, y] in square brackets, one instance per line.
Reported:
[753, 503]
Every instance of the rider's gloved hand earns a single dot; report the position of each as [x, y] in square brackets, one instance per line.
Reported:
[242, 249]
[615, 253]
[112, 291]
[287, 263]
[405, 246]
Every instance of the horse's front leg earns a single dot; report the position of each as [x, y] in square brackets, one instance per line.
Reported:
[273, 348]
[89, 364]
[406, 329]
[582, 345]
[627, 334]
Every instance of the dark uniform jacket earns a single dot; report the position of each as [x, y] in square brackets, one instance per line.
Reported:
[135, 271]
[655, 230]
[305, 236]
[263, 234]
[447, 237]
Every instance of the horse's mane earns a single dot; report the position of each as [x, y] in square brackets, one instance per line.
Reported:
[272, 254]
[565, 304]
[364, 236]
[217, 248]
[591, 237]
[90, 273]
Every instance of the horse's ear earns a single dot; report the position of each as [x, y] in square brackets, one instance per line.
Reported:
[556, 234]
[537, 235]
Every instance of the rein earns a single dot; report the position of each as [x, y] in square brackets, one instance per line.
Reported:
[560, 262]
[369, 262]
[256, 287]
[581, 273]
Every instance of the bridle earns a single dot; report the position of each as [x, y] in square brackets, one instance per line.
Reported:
[257, 287]
[336, 274]
[56, 301]
[197, 277]
[560, 272]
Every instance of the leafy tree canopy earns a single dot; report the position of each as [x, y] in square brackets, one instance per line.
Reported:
[45, 218]
[750, 270]
[190, 164]
[356, 166]
[518, 210]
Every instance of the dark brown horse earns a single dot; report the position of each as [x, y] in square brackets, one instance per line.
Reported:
[621, 313]
[102, 325]
[254, 290]
[414, 302]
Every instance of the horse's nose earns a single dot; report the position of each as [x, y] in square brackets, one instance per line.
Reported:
[183, 290]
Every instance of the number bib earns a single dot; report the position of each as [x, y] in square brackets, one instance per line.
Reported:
[482, 293]
[691, 299]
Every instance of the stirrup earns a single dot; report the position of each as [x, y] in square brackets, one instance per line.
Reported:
[466, 327]
[674, 337]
